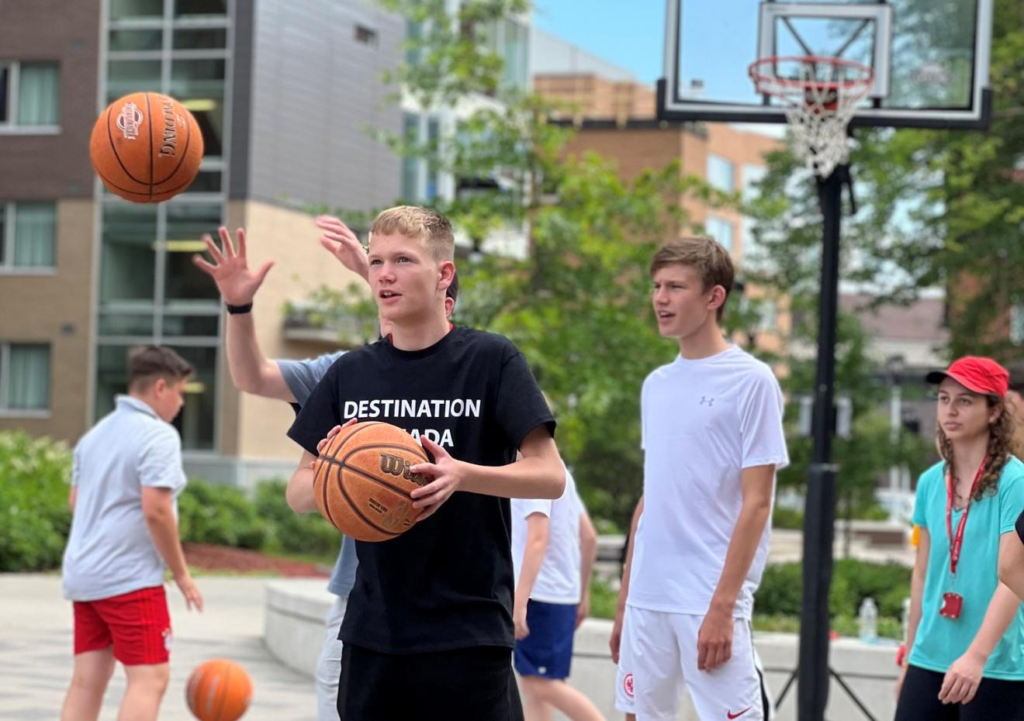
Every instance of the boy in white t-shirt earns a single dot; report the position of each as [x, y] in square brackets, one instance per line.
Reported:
[712, 435]
[554, 545]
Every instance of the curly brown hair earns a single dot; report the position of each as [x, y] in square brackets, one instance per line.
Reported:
[1002, 443]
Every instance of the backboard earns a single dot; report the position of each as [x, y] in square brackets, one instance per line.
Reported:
[929, 58]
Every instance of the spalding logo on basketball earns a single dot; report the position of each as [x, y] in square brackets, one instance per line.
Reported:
[363, 480]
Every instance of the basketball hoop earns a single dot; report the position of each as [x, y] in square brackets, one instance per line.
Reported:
[821, 95]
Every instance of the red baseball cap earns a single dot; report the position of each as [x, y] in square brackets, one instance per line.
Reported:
[981, 375]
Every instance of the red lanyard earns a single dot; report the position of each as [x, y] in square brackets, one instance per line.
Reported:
[957, 542]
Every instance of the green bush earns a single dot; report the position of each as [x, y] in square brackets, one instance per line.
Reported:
[35, 477]
[852, 581]
[787, 518]
[221, 515]
[308, 534]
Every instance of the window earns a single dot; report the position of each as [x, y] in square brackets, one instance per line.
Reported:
[121, 9]
[29, 94]
[200, 8]
[410, 166]
[1017, 324]
[721, 230]
[132, 76]
[24, 377]
[185, 286]
[721, 174]
[366, 36]
[199, 86]
[752, 176]
[128, 261]
[769, 315]
[28, 232]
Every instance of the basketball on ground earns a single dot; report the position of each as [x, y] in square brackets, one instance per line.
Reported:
[362, 481]
[218, 690]
[146, 147]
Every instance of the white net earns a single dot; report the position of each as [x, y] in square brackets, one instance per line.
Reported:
[822, 95]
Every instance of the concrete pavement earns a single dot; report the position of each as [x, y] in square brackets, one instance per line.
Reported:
[36, 650]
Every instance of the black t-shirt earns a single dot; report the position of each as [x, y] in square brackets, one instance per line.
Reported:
[447, 582]
[1020, 527]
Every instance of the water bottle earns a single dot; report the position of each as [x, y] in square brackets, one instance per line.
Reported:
[868, 621]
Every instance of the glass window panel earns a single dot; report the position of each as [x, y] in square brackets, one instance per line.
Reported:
[35, 229]
[136, 40]
[3, 234]
[4, 100]
[186, 8]
[132, 76]
[752, 177]
[721, 230]
[186, 225]
[720, 174]
[120, 9]
[122, 324]
[196, 420]
[410, 166]
[433, 136]
[199, 86]
[413, 32]
[191, 325]
[39, 94]
[28, 378]
[111, 376]
[128, 261]
[206, 182]
[204, 39]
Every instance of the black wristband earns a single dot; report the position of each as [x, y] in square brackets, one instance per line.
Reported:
[238, 309]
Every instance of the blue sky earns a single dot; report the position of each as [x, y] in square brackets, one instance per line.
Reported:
[628, 33]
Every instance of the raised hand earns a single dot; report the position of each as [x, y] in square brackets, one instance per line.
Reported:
[230, 270]
[343, 244]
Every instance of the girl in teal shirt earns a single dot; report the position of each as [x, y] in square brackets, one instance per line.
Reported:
[966, 634]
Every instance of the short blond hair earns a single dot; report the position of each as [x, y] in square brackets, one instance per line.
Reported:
[709, 260]
[424, 224]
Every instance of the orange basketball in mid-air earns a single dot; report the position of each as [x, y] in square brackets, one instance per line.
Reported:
[218, 690]
[362, 481]
[146, 147]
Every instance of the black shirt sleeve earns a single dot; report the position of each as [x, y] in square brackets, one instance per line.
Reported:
[1020, 527]
[520, 407]
[320, 413]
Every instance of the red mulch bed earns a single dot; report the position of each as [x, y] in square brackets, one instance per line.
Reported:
[240, 560]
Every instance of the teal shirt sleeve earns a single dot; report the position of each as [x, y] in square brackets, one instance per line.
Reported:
[1011, 495]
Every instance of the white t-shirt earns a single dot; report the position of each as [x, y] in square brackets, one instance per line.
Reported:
[558, 580]
[110, 550]
[703, 422]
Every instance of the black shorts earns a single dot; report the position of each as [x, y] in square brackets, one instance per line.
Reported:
[995, 700]
[468, 684]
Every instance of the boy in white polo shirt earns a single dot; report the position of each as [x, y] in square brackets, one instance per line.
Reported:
[554, 545]
[124, 536]
[713, 439]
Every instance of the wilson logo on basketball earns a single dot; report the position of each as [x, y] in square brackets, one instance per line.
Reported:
[398, 466]
[128, 121]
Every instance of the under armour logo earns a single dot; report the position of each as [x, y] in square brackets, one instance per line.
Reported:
[705, 401]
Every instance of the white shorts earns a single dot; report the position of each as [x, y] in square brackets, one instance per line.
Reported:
[658, 657]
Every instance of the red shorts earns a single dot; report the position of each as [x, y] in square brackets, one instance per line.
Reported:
[137, 624]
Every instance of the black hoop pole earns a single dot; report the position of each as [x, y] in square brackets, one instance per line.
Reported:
[820, 509]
